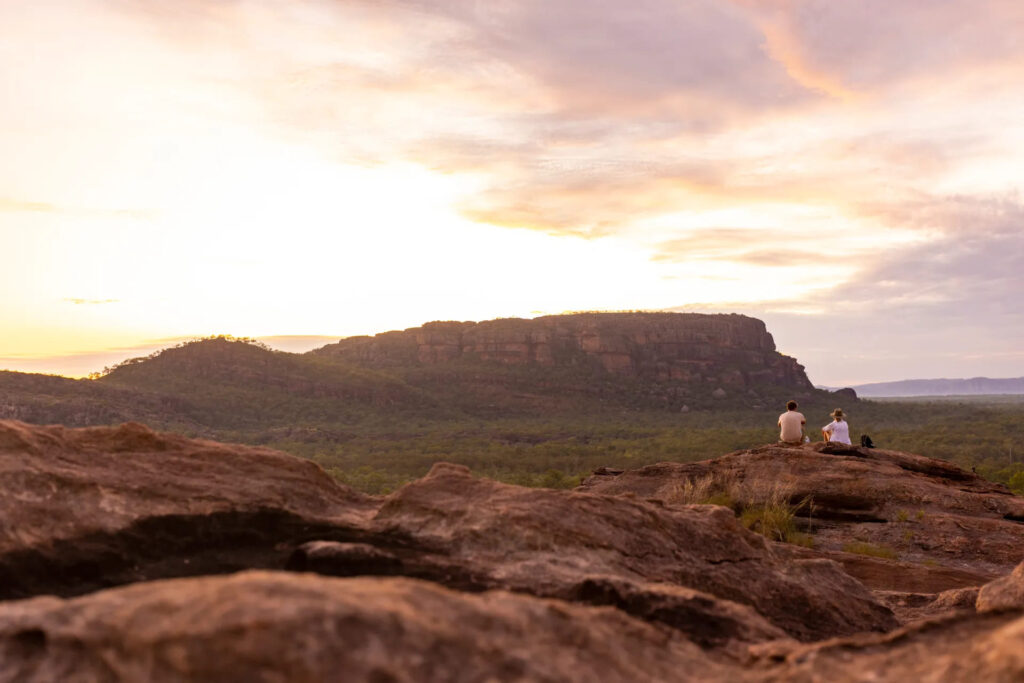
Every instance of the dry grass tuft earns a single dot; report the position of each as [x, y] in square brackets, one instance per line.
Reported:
[762, 506]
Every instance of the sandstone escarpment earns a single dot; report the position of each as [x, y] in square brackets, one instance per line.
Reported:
[728, 350]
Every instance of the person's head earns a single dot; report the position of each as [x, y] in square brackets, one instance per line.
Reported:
[838, 414]
[791, 405]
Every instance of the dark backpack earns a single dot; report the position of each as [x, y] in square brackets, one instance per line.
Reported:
[866, 442]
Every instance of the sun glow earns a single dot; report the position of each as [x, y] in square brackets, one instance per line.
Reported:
[173, 170]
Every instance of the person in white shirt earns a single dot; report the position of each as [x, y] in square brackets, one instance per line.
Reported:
[791, 425]
[837, 431]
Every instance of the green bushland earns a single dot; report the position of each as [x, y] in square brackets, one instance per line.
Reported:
[525, 449]
[376, 429]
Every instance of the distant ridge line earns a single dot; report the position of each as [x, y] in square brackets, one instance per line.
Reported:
[973, 386]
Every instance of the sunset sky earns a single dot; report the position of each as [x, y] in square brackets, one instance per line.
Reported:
[849, 171]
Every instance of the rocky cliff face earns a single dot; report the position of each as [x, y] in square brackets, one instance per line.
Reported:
[728, 350]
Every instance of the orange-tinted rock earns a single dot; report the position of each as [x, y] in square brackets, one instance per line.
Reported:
[270, 626]
[958, 528]
[1004, 593]
[263, 626]
[962, 648]
[93, 507]
[88, 508]
[912, 607]
[736, 349]
[452, 527]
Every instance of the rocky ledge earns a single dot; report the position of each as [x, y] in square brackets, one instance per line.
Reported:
[728, 350]
[121, 533]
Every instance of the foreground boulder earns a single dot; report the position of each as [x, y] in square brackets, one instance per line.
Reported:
[92, 508]
[1004, 593]
[897, 521]
[86, 508]
[475, 533]
[274, 626]
[267, 626]
[914, 607]
[955, 649]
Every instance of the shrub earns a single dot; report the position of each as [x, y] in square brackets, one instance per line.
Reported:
[710, 489]
[776, 519]
[763, 507]
[1016, 483]
[556, 479]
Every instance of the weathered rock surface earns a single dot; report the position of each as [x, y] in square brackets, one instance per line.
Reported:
[537, 584]
[86, 508]
[1004, 593]
[465, 531]
[881, 574]
[913, 607]
[273, 626]
[956, 649]
[954, 527]
[731, 350]
[97, 507]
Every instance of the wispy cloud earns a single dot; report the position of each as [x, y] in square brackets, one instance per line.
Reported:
[91, 302]
[865, 154]
[11, 205]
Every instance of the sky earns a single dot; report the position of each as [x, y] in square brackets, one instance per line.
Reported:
[850, 172]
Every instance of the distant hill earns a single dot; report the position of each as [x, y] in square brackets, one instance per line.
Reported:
[975, 386]
[537, 402]
[721, 351]
[583, 364]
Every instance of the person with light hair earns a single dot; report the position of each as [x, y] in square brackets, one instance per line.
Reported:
[838, 430]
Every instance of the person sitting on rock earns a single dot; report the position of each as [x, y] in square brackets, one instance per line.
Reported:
[792, 425]
[838, 430]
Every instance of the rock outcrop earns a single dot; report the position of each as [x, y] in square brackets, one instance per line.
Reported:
[97, 507]
[1004, 593]
[914, 607]
[955, 649]
[475, 533]
[269, 626]
[720, 350]
[272, 626]
[81, 509]
[896, 521]
[459, 578]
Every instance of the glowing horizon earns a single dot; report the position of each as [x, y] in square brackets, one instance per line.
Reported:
[848, 173]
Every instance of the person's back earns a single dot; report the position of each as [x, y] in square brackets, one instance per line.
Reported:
[837, 431]
[791, 424]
